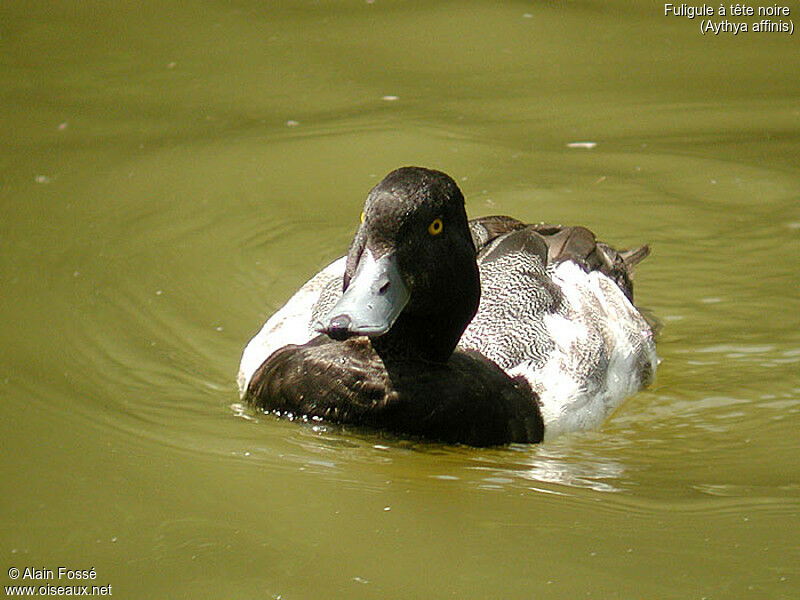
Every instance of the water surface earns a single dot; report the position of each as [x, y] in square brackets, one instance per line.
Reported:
[171, 172]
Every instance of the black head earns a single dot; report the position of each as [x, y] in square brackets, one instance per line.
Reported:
[411, 281]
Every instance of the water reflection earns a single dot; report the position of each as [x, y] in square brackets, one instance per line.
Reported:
[334, 451]
[592, 472]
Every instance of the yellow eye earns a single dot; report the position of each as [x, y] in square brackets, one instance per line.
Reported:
[436, 226]
[363, 216]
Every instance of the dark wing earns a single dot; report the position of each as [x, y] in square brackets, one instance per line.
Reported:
[523, 242]
[580, 245]
[467, 400]
[486, 229]
[562, 243]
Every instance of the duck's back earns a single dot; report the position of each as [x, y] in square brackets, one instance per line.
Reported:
[555, 309]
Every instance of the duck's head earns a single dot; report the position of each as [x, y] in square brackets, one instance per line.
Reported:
[411, 283]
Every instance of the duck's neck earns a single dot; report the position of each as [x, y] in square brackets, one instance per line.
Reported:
[432, 338]
[431, 325]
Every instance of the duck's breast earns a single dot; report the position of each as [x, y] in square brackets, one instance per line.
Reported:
[293, 323]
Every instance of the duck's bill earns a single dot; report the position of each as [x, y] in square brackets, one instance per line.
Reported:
[371, 303]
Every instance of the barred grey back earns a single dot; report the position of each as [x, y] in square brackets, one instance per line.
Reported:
[516, 295]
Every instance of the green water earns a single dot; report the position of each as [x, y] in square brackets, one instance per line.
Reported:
[171, 172]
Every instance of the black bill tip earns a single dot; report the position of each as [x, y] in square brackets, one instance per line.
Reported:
[339, 327]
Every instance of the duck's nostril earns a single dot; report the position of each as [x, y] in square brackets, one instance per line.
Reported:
[383, 288]
[339, 327]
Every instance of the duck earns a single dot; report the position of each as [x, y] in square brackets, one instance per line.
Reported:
[480, 332]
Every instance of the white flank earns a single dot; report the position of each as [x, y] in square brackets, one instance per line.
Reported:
[599, 347]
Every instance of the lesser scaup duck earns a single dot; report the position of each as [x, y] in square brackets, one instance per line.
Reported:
[479, 332]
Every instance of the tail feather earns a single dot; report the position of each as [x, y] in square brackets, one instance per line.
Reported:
[656, 325]
[633, 257]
